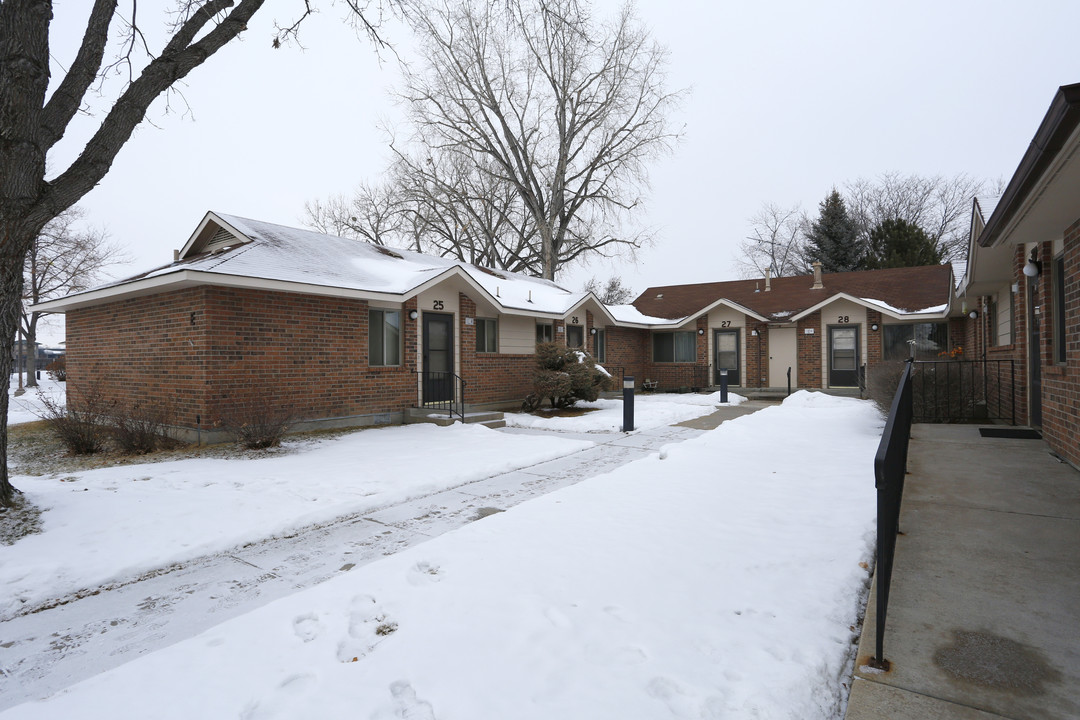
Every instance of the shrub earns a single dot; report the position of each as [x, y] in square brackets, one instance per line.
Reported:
[144, 428]
[57, 370]
[564, 376]
[82, 426]
[257, 424]
[882, 379]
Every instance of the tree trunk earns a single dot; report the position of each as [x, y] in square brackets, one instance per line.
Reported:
[15, 241]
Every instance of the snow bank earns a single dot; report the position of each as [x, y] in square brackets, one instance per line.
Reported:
[118, 522]
[607, 414]
[27, 407]
[721, 581]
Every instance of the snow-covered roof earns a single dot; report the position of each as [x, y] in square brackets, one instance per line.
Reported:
[631, 315]
[227, 246]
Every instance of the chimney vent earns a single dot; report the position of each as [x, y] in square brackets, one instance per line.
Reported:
[768, 280]
[818, 285]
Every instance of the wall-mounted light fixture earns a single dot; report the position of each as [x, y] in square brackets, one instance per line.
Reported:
[700, 331]
[412, 314]
[593, 331]
[1033, 267]
[874, 327]
[973, 314]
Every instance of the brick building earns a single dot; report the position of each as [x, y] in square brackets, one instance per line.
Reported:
[1022, 285]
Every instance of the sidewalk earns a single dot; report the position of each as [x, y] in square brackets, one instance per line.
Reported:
[984, 615]
[74, 641]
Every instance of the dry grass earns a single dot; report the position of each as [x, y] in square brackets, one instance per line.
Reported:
[563, 412]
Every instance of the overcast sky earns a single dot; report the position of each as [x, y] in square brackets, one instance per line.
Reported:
[787, 99]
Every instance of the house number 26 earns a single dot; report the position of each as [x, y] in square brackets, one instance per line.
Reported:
[437, 305]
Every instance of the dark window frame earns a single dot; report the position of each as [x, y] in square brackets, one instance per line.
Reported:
[600, 344]
[487, 333]
[579, 329]
[662, 338]
[377, 327]
[545, 332]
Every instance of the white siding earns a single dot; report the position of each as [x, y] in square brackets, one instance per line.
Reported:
[517, 335]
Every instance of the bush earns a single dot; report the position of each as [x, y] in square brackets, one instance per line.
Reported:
[83, 426]
[882, 379]
[143, 429]
[564, 376]
[257, 424]
[57, 369]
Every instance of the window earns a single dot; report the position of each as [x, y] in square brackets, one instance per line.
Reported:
[600, 345]
[575, 336]
[674, 347]
[487, 338]
[544, 333]
[925, 340]
[1058, 283]
[384, 337]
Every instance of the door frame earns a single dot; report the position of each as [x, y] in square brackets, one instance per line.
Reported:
[829, 355]
[1034, 359]
[437, 390]
[737, 381]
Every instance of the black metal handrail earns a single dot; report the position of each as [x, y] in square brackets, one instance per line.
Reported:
[890, 466]
[949, 391]
[442, 390]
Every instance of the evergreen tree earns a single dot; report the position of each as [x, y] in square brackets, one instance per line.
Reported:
[898, 243]
[833, 239]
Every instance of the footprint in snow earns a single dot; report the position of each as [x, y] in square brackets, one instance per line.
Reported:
[409, 706]
[681, 702]
[368, 626]
[424, 573]
[289, 699]
[307, 627]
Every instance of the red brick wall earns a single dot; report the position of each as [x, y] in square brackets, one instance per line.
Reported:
[1061, 383]
[809, 351]
[629, 349]
[491, 377]
[147, 350]
[873, 338]
[757, 354]
[207, 351]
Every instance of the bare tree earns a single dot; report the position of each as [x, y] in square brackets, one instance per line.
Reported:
[373, 214]
[612, 292]
[63, 259]
[940, 205]
[775, 242]
[32, 121]
[564, 110]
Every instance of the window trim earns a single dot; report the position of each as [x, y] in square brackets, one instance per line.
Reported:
[600, 344]
[674, 345]
[382, 312]
[494, 335]
[549, 334]
[575, 327]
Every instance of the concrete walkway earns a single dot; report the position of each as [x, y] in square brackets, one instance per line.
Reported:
[984, 615]
[46, 651]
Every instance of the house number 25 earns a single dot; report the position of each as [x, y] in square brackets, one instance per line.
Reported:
[437, 305]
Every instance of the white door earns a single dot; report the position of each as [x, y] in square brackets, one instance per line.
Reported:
[783, 351]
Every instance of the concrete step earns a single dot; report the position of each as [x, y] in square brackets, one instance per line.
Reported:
[483, 417]
[494, 424]
[443, 418]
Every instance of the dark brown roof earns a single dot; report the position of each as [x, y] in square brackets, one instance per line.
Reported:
[907, 289]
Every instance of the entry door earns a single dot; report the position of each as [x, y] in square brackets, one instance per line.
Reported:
[438, 358]
[726, 346]
[844, 356]
[1034, 367]
[783, 354]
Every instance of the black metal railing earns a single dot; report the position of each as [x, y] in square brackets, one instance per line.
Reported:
[442, 391]
[953, 391]
[678, 378]
[890, 466]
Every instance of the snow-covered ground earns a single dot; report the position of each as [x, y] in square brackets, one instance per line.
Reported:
[717, 578]
[606, 415]
[115, 523]
[27, 407]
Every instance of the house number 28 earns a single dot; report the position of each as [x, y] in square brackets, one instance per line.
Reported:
[437, 305]
[843, 318]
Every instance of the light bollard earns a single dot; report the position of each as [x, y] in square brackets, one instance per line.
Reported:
[723, 385]
[627, 403]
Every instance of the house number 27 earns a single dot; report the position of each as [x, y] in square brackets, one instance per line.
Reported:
[437, 305]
